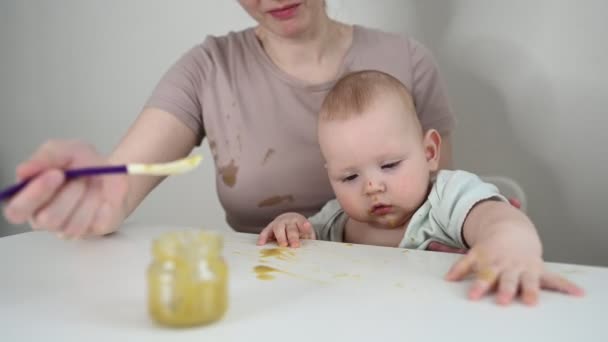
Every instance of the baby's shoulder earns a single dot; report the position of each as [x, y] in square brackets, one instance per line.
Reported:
[454, 177]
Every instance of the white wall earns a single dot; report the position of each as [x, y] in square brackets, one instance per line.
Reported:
[526, 78]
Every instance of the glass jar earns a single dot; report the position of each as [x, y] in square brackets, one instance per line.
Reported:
[187, 279]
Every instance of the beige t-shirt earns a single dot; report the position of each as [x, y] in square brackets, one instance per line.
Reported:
[261, 122]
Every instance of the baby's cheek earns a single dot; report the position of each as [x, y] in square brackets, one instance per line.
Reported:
[409, 191]
[349, 204]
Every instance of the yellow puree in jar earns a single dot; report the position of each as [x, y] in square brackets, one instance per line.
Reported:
[187, 281]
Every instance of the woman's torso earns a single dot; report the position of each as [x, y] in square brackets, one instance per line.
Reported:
[261, 123]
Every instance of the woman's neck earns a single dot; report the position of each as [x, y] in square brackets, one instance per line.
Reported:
[315, 53]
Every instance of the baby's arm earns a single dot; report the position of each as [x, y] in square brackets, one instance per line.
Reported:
[506, 252]
[494, 218]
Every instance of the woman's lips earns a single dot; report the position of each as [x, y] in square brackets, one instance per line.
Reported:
[285, 13]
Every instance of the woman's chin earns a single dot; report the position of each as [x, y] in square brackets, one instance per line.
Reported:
[292, 29]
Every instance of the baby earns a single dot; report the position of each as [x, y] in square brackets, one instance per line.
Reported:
[384, 172]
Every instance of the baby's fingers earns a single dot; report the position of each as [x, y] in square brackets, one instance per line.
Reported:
[293, 235]
[266, 235]
[306, 230]
[485, 279]
[551, 281]
[462, 267]
[507, 287]
[280, 234]
[530, 286]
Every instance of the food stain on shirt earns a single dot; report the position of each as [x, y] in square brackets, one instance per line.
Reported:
[269, 154]
[213, 148]
[275, 200]
[229, 173]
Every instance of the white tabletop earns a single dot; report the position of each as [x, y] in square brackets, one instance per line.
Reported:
[95, 290]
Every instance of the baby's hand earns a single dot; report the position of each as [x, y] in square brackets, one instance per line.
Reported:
[509, 269]
[287, 229]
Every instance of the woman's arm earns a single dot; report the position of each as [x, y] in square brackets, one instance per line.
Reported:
[156, 136]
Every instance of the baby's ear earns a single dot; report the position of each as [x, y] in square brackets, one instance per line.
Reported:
[432, 147]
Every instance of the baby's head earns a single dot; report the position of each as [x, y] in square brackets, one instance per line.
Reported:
[378, 159]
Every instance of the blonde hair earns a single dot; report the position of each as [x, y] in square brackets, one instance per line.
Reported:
[357, 91]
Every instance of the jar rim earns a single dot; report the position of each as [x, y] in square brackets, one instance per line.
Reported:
[187, 243]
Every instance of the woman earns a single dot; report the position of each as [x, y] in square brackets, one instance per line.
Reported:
[255, 95]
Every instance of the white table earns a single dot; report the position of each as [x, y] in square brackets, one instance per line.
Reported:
[95, 290]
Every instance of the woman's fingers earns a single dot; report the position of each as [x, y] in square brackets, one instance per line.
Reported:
[53, 154]
[56, 213]
[81, 220]
[34, 196]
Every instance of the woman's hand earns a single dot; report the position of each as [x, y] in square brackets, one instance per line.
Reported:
[74, 209]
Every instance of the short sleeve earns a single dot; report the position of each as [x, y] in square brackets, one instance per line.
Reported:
[430, 98]
[452, 197]
[180, 89]
[329, 223]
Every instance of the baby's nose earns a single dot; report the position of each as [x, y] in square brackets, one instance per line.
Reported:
[374, 186]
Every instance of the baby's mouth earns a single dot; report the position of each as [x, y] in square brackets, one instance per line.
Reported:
[381, 209]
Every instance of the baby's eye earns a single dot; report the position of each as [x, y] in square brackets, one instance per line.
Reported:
[391, 165]
[349, 178]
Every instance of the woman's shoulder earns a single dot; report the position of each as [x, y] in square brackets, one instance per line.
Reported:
[373, 37]
[397, 53]
[233, 41]
[219, 50]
